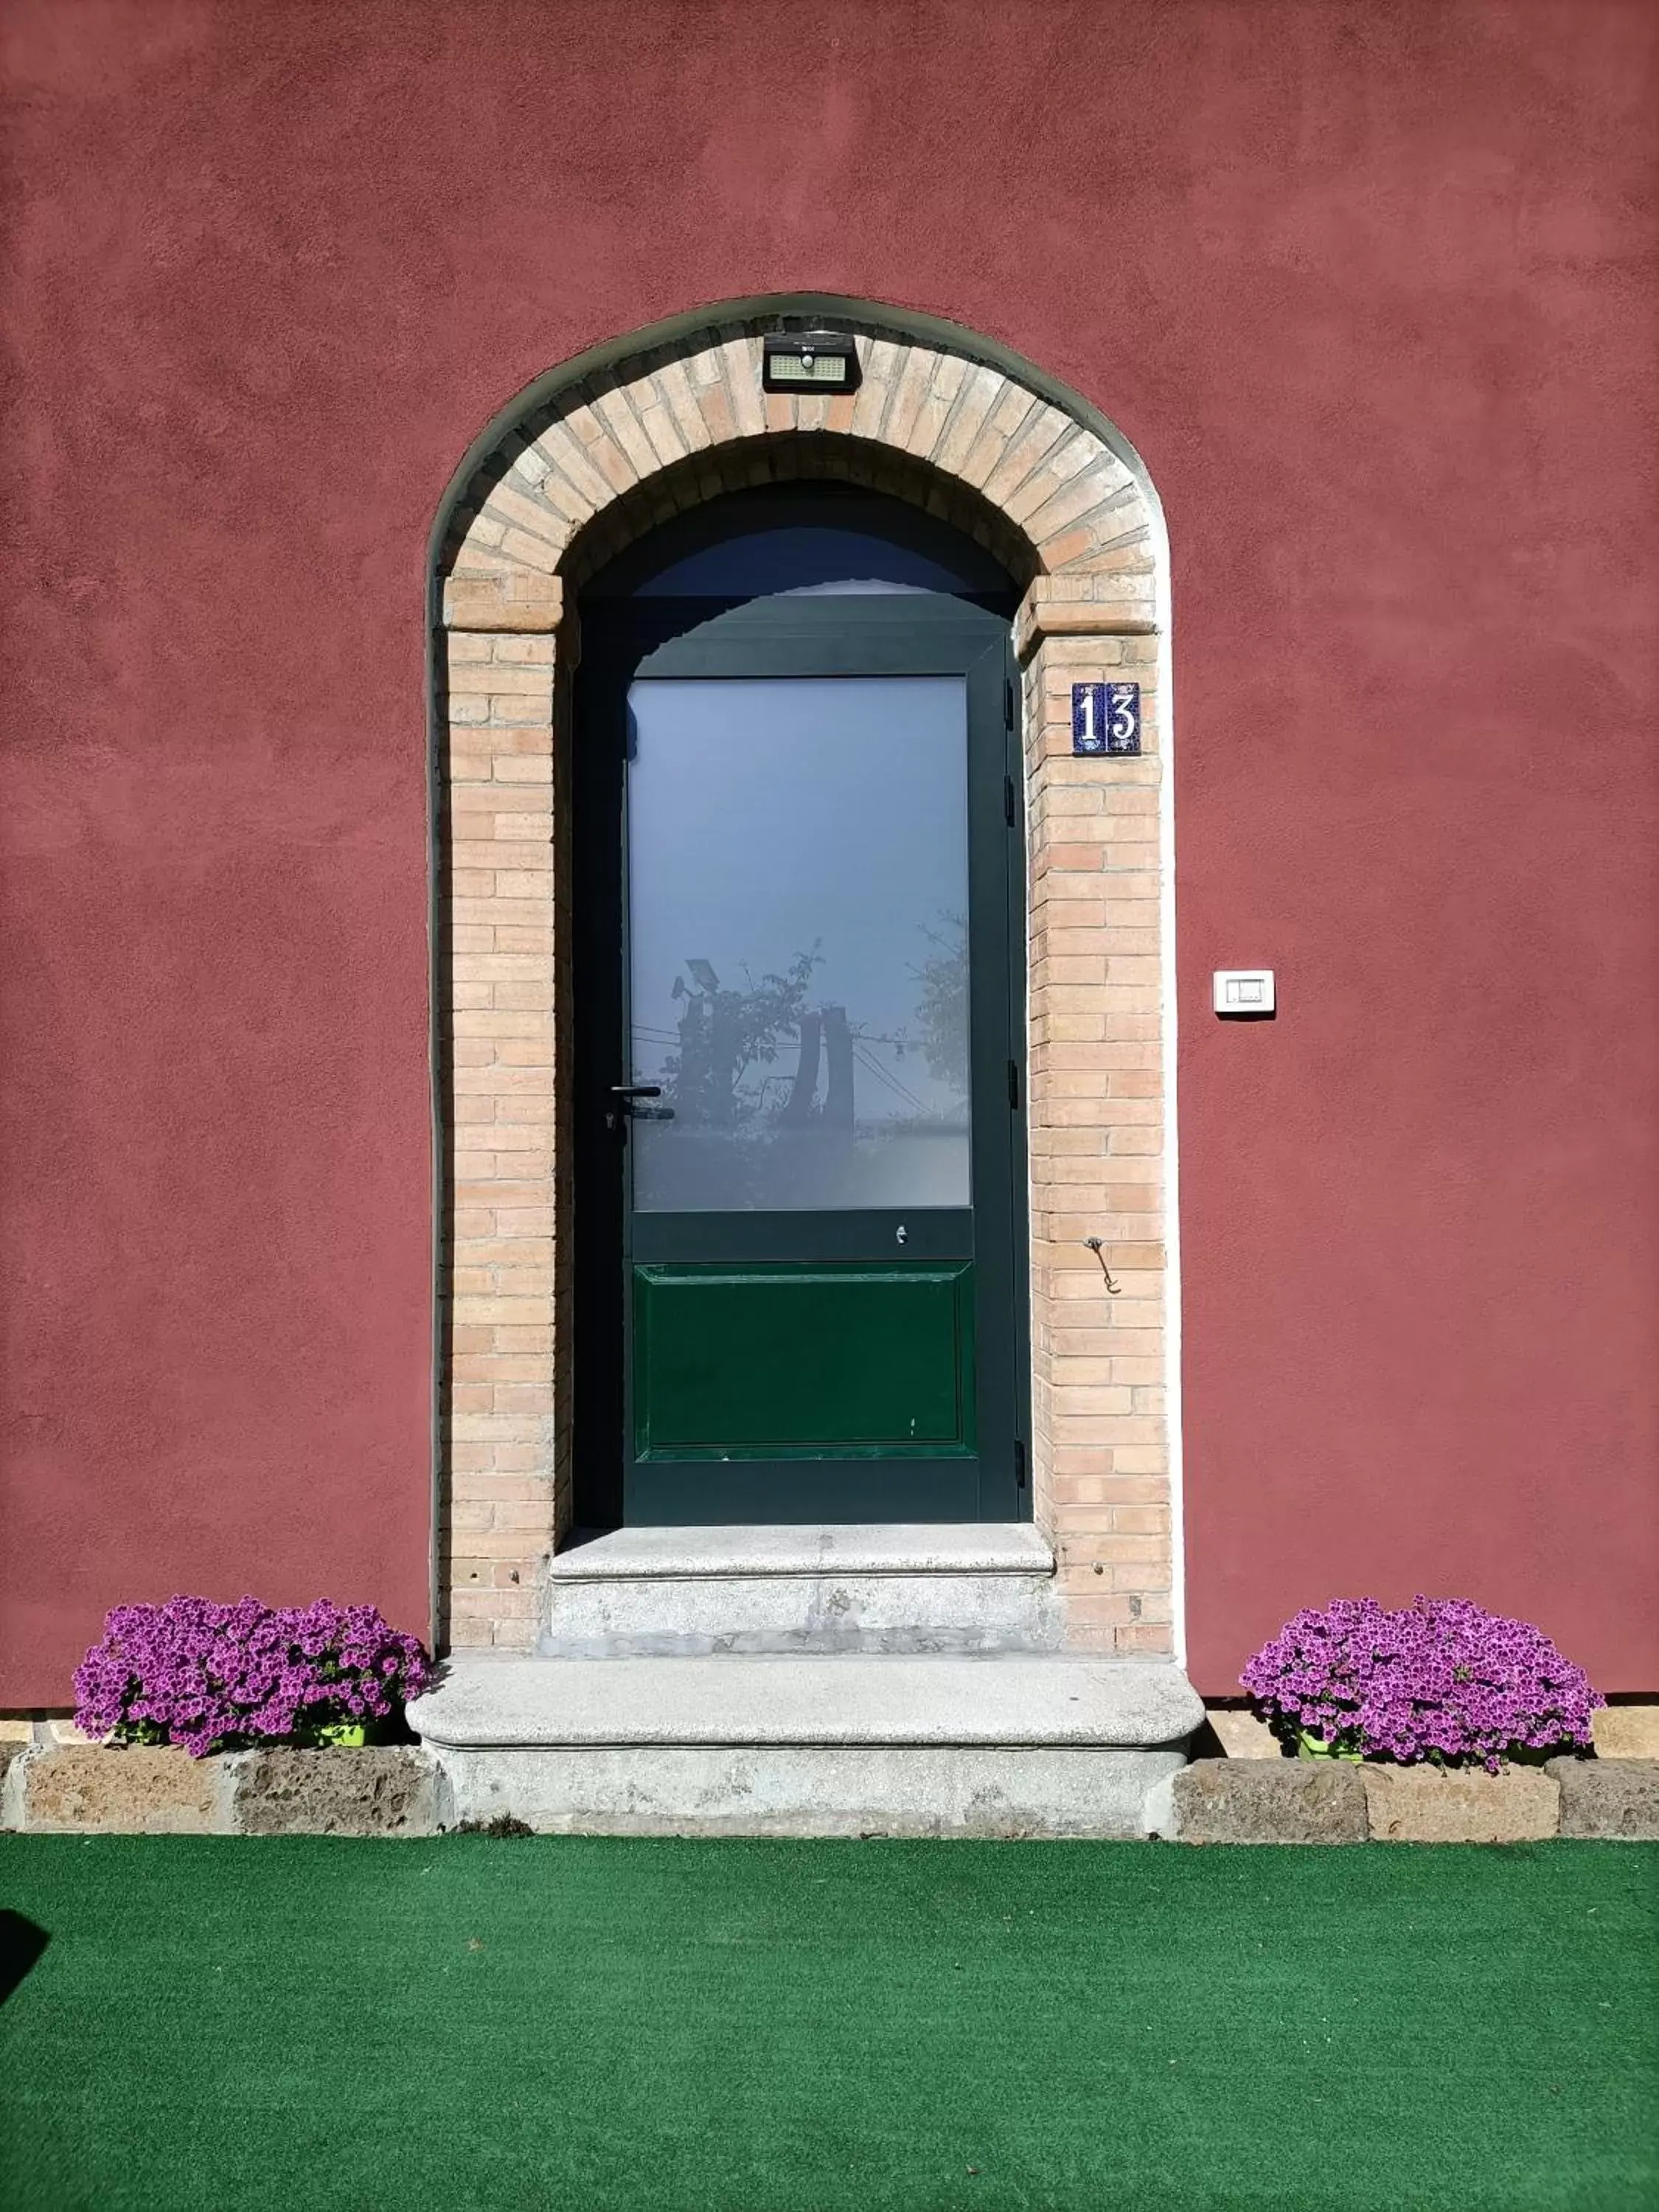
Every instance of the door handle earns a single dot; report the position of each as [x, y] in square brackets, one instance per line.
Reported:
[625, 1096]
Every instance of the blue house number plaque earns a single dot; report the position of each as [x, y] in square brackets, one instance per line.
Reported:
[1105, 718]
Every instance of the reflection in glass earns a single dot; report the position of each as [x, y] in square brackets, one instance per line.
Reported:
[798, 954]
[756, 543]
[804, 558]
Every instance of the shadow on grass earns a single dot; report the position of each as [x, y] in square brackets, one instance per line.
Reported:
[21, 1944]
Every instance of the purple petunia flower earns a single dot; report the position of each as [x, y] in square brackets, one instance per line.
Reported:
[1442, 1680]
[220, 1677]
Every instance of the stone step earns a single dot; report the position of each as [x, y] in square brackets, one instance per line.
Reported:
[1015, 1744]
[684, 1593]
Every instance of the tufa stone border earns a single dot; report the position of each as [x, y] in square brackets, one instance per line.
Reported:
[57, 1788]
[390, 1790]
[1608, 1800]
[1463, 1805]
[86, 1788]
[1260, 1800]
[1291, 1801]
[1628, 1731]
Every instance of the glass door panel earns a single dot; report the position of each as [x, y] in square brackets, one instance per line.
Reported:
[798, 943]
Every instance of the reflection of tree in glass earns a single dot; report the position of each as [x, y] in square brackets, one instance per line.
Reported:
[942, 1007]
[724, 1033]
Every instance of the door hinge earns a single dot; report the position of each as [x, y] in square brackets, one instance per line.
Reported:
[1008, 800]
[1014, 1084]
[1020, 1464]
[1007, 702]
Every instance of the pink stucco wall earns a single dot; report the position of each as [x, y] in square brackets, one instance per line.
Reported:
[1365, 285]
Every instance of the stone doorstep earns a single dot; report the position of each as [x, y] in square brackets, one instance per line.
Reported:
[992, 1791]
[146, 1789]
[1010, 1699]
[993, 1547]
[881, 1590]
[1013, 1745]
[912, 1616]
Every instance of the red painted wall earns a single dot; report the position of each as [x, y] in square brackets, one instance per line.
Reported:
[1364, 284]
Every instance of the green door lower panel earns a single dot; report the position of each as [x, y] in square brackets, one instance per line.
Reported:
[776, 1361]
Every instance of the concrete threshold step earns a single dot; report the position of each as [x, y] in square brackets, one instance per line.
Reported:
[1016, 1744]
[1014, 1698]
[956, 1548]
[920, 1589]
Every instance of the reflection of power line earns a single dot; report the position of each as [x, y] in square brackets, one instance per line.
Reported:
[862, 1036]
[868, 1060]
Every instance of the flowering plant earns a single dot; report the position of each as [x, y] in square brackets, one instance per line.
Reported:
[1442, 1680]
[220, 1677]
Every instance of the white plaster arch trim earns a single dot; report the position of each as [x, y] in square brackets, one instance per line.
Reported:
[628, 440]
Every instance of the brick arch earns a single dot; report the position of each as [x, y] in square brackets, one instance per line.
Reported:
[637, 434]
[797, 457]
[583, 471]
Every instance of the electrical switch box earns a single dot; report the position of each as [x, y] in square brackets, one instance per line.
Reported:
[1244, 990]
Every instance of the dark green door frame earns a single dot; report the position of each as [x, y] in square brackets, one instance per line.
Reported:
[899, 1377]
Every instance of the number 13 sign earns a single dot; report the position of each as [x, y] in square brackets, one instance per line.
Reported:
[1105, 718]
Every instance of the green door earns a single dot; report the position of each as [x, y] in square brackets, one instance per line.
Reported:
[799, 1066]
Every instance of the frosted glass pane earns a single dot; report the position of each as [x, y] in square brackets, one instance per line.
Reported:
[797, 950]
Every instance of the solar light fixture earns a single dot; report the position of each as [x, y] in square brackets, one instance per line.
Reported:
[814, 361]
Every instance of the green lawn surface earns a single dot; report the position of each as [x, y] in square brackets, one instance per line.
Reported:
[751, 2026]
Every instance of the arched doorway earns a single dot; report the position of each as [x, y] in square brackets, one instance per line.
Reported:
[586, 466]
[799, 1034]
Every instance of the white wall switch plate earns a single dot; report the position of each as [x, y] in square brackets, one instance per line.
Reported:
[1244, 990]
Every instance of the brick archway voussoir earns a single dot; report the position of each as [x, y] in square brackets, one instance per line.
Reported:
[1053, 480]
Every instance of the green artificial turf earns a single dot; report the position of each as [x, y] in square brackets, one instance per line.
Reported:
[800, 2027]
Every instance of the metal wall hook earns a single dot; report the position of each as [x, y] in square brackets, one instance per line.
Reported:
[1093, 1244]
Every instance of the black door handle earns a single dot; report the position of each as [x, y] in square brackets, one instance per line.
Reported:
[625, 1094]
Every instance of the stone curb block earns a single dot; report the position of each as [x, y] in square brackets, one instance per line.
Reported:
[388, 1790]
[9, 1812]
[1460, 1805]
[1608, 1800]
[1241, 1735]
[1260, 1801]
[140, 1790]
[154, 1790]
[1625, 1731]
